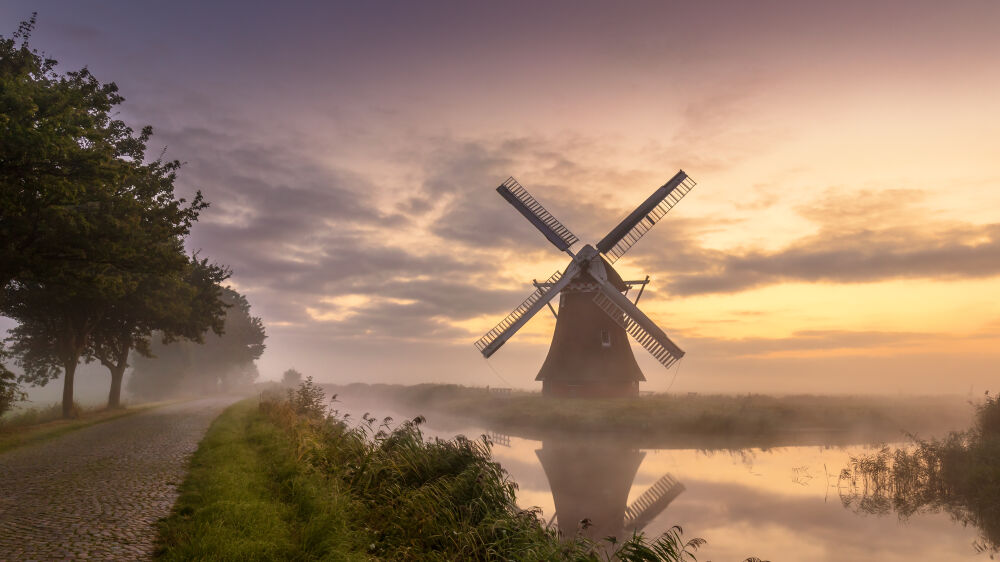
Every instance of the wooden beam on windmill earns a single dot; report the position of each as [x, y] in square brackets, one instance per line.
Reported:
[549, 303]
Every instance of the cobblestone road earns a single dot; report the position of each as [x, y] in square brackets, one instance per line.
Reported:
[97, 493]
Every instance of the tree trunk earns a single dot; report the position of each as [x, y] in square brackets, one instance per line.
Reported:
[74, 341]
[117, 365]
[69, 370]
[115, 396]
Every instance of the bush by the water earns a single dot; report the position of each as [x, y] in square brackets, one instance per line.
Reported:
[410, 498]
[959, 474]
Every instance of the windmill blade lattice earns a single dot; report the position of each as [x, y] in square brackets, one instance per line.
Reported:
[660, 346]
[638, 223]
[489, 343]
[654, 500]
[532, 210]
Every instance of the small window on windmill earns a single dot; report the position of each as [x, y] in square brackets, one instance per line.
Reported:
[605, 338]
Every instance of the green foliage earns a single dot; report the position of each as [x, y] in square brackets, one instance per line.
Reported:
[221, 362]
[406, 498]
[959, 474]
[669, 546]
[246, 498]
[91, 235]
[33, 347]
[987, 426]
[10, 391]
[183, 301]
[308, 399]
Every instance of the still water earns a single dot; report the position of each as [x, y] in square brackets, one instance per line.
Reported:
[783, 503]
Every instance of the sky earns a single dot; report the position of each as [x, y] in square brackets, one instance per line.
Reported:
[844, 235]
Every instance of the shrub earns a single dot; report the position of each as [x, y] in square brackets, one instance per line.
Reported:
[308, 399]
[959, 474]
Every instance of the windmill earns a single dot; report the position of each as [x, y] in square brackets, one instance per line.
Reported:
[591, 479]
[590, 354]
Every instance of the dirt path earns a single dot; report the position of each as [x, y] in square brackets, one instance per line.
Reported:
[97, 493]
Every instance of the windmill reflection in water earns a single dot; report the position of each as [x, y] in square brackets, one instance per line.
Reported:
[590, 482]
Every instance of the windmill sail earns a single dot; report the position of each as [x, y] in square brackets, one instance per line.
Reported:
[489, 343]
[653, 501]
[532, 210]
[638, 325]
[638, 223]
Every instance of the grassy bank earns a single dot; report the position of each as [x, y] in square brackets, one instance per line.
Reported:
[666, 419]
[39, 424]
[959, 474]
[283, 480]
[247, 498]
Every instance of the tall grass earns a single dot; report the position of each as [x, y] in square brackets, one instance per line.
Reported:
[33, 424]
[247, 498]
[408, 498]
[34, 415]
[959, 474]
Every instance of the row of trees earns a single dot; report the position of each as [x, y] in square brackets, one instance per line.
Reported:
[219, 363]
[92, 258]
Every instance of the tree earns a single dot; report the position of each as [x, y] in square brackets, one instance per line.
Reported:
[291, 377]
[179, 306]
[56, 139]
[83, 220]
[221, 363]
[10, 391]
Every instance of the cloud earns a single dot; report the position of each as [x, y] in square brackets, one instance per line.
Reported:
[818, 342]
[318, 246]
[862, 236]
[301, 232]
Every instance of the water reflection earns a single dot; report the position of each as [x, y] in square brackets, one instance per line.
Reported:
[911, 483]
[778, 503]
[590, 483]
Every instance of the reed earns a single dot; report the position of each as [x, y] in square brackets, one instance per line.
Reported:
[958, 474]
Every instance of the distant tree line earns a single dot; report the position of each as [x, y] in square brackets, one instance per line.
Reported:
[92, 259]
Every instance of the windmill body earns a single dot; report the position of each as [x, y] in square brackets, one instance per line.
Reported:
[590, 354]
